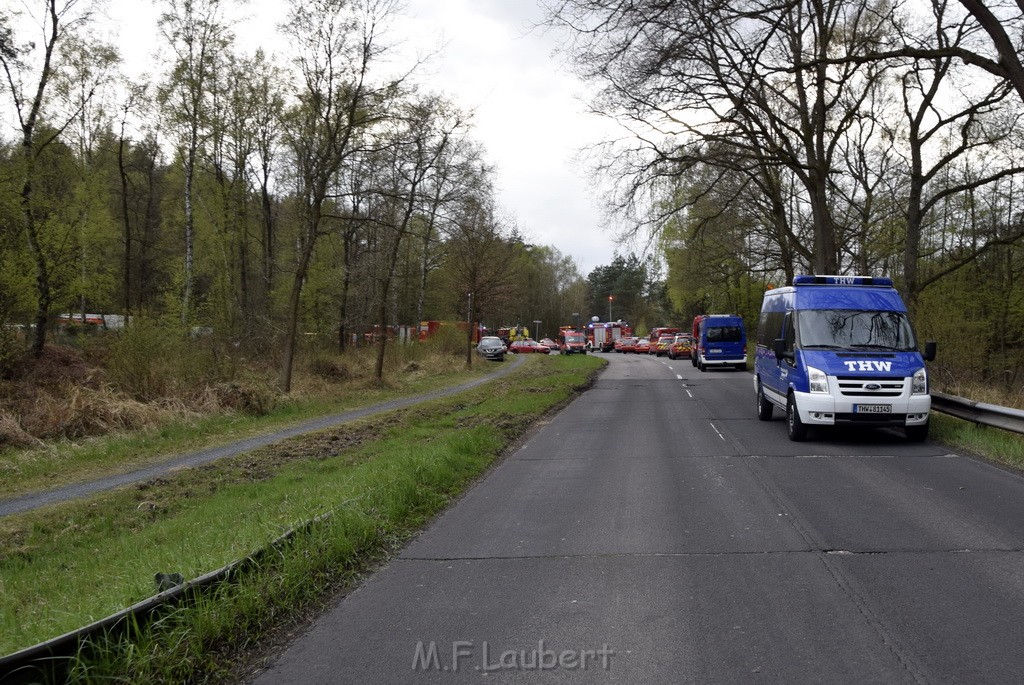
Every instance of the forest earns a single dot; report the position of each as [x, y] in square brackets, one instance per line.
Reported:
[278, 209]
[273, 205]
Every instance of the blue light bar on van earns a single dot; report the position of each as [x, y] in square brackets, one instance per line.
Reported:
[842, 280]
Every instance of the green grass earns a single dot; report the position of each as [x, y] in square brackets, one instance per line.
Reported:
[994, 444]
[28, 470]
[380, 479]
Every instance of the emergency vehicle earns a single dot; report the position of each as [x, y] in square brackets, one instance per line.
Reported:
[719, 340]
[571, 340]
[659, 331]
[840, 350]
[604, 335]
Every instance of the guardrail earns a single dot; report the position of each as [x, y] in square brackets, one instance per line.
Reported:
[48, 661]
[979, 412]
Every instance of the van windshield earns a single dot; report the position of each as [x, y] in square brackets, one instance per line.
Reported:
[855, 329]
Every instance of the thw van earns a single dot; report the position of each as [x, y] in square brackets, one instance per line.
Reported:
[719, 340]
[840, 350]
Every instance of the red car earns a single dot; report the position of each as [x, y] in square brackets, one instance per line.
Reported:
[626, 344]
[661, 347]
[528, 346]
[680, 347]
[642, 346]
[550, 344]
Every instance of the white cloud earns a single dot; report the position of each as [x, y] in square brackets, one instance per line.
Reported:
[528, 116]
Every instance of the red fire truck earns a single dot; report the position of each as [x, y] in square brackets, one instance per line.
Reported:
[604, 335]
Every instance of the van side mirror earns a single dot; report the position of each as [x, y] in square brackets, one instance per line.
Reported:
[779, 347]
[929, 351]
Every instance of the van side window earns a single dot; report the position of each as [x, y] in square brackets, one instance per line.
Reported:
[769, 328]
[789, 332]
[762, 330]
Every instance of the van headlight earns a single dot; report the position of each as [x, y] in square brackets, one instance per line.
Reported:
[919, 386]
[818, 380]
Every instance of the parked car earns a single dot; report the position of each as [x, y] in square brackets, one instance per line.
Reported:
[661, 347]
[491, 347]
[528, 346]
[642, 346]
[680, 347]
[550, 344]
[627, 344]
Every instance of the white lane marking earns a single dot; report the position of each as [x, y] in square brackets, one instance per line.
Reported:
[716, 430]
[679, 377]
[690, 394]
[855, 456]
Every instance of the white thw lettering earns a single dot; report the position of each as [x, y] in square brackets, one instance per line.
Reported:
[868, 366]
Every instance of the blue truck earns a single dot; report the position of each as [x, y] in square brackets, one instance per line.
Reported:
[840, 350]
[719, 340]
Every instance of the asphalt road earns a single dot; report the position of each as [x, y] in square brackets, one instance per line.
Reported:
[655, 532]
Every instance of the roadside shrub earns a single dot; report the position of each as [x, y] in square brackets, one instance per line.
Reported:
[247, 397]
[152, 359]
[329, 369]
[448, 340]
[12, 434]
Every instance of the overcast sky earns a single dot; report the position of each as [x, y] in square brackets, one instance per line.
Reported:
[529, 115]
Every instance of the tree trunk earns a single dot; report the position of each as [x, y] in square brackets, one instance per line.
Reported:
[42, 268]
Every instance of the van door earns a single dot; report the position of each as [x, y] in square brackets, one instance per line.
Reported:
[775, 372]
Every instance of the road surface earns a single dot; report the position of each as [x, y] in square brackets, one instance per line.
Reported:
[656, 532]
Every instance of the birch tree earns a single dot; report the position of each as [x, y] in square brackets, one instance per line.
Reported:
[29, 65]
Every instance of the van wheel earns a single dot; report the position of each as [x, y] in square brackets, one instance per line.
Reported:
[797, 429]
[917, 433]
[741, 367]
[702, 366]
[764, 407]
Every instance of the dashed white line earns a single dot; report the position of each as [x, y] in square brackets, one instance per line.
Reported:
[716, 430]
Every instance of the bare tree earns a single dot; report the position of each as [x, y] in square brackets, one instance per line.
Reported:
[724, 74]
[482, 263]
[425, 130]
[949, 122]
[337, 41]
[27, 85]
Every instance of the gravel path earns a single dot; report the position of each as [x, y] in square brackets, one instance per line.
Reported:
[34, 500]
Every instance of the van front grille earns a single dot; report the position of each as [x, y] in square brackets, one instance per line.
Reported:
[857, 386]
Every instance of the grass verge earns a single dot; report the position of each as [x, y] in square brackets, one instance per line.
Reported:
[380, 479]
[60, 463]
[994, 444]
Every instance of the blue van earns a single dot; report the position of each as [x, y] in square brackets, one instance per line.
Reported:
[840, 350]
[720, 340]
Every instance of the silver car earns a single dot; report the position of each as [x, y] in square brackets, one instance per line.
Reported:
[491, 347]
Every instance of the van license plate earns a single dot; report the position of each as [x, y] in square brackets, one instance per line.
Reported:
[872, 408]
[715, 351]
